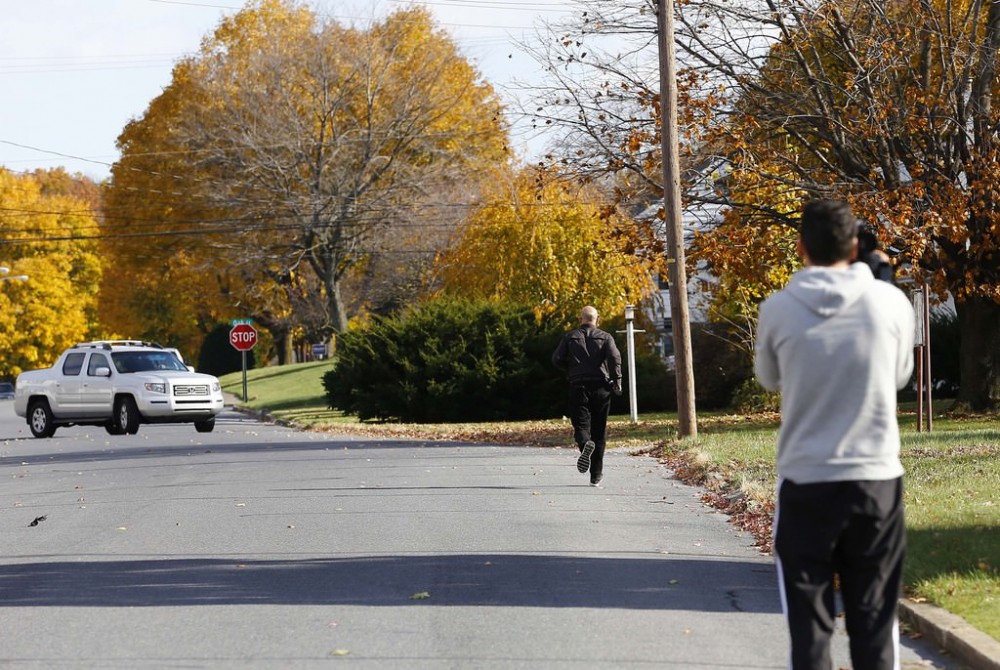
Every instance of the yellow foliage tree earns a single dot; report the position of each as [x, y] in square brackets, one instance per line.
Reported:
[280, 158]
[540, 241]
[49, 238]
[170, 253]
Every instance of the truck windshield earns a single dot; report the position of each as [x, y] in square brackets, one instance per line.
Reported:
[146, 361]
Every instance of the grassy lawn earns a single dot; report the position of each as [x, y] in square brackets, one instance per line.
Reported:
[952, 480]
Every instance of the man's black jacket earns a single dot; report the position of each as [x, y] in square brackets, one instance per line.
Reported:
[588, 354]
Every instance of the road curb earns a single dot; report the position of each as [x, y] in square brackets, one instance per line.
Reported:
[953, 634]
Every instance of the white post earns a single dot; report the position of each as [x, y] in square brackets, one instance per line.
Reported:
[630, 343]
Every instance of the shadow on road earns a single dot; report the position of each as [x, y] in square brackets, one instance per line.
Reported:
[128, 447]
[517, 580]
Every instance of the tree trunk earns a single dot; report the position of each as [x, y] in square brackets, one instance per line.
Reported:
[979, 322]
[338, 315]
[286, 349]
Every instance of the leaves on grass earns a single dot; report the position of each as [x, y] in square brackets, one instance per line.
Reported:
[746, 513]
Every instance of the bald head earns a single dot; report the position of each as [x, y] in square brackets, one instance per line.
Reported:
[588, 315]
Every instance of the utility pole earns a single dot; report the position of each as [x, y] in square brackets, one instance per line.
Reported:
[683, 369]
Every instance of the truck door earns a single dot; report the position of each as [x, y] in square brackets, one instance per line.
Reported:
[96, 393]
[67, 386]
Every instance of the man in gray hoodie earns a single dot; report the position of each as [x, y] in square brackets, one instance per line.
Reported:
[838, 345]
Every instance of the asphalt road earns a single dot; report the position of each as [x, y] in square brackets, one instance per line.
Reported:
[257, 546]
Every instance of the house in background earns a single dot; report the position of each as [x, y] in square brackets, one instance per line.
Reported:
[698, 217]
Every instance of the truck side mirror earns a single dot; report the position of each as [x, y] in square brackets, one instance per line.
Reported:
[102, 372]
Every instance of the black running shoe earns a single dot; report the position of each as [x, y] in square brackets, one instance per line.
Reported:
[596, 481]
[583, 463]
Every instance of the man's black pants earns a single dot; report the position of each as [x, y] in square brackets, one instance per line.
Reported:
[854, 529]
[589, 404]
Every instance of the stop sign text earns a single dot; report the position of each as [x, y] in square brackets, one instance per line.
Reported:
[243, 337]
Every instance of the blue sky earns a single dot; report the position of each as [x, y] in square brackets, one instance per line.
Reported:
[74, 72]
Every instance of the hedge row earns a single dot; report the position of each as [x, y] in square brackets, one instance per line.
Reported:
[456, 361]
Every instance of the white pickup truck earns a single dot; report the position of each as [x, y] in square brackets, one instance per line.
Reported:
[119, 385]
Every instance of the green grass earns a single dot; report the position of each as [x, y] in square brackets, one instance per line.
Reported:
[952, 505]
[952, 480]
[290, 392]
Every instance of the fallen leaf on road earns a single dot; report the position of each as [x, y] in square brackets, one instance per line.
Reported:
[423, 595]
[340, 652]
[38, 520]
[673, 581]
[122, 527]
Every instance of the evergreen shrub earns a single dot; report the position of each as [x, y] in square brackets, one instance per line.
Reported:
[449, 360]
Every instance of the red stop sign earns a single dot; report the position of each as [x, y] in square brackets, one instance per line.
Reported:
[243, 337]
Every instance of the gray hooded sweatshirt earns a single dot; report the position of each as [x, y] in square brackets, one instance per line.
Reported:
[838, 344]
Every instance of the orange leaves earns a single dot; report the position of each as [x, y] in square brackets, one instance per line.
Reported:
[292, 142]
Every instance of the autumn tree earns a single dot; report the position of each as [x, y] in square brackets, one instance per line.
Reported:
[296, 147]
[163, 280]
[890, 106]
[535, 239]
[48, 236]
[341, 135]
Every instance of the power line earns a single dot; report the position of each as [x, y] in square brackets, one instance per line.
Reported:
[56, 153]
[505, 5]
[195, 4]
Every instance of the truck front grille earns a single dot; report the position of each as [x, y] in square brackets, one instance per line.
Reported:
[190, 389]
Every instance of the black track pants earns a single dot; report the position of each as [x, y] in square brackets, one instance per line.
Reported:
[854, 529]
[588, 410]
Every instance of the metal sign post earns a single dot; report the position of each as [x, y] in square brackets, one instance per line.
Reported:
[922, 356]
[243, 337]
[630, 332]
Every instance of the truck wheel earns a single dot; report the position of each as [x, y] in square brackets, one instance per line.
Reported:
[127, 415]
[40, 419]
[206, 426]
[113, 428]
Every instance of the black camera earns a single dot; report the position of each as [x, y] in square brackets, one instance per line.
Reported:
[872, 256]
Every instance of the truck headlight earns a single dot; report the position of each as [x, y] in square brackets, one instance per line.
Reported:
[156, 387]
[216, 387]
